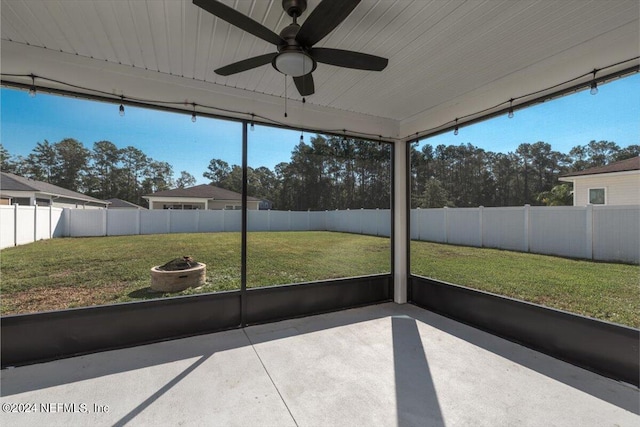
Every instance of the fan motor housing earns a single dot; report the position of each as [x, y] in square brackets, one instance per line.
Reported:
[289, 33]
[294, 8]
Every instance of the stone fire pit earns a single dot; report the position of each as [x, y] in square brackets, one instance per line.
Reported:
[178, 275]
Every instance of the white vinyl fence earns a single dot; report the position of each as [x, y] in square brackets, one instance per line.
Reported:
[26, 224]
[31, 224]
[606, 233]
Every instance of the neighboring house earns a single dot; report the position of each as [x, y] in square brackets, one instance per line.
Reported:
[200, 197]
[614, 184]
[265, 205]
[122, 204]
[15, 189]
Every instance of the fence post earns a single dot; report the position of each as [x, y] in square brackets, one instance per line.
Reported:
[67, 222]
[35, 222]
[138, 220]
[377, 221]
[361, 220]
[50, 221]
[446, 224]
[589, 232]
[197, 220]
[289, 220]
[104, 222]
[15, 224]
[481, 225]
[169, 221]
[268, 219]
[527, 227]
[309, 219]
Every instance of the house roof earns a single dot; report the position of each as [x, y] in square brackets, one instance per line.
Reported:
[203, 191]
[621, 166]
[13, 182]
[119, 203]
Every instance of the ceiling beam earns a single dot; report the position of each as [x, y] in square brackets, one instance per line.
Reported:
[144, 87]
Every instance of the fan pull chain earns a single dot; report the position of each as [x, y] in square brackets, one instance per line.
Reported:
[285, 95]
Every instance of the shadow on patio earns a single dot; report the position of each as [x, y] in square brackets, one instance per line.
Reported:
[386, 364]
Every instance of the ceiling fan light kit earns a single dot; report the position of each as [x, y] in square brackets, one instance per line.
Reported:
[295, 55]
[294, 63]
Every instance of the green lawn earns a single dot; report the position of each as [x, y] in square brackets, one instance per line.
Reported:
[606, 291]
[76, 272]
[62, 273]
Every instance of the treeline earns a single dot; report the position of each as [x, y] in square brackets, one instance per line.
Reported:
[468, 176]
[337, 173]
[329, 173]
[104, 172]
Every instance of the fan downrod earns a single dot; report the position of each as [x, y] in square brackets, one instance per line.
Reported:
[294, 8]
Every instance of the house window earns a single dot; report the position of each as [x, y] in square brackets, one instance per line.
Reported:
[181, 207]
[596, 196]
[22, 201]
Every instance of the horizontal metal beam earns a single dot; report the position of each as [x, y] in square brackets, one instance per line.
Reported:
[38, 337]
[285, 302]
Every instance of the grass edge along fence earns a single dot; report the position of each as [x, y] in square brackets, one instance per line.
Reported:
[601, 233]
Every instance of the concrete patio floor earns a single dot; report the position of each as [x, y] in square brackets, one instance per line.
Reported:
[385, 365]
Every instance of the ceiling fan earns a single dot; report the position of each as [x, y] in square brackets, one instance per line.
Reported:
[296, 56]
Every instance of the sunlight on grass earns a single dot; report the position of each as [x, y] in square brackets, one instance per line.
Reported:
[76, 272]
[602, 290]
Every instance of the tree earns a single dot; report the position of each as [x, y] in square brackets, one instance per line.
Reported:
[71, 164]
[185, 180]
[158, 176]
[104, 172]
[504, 170]
[135, 164]
[601, 153]
[6, 163]
[524, 151]
[579, 158]
[546, 166]
[43, 162]
[217, 171]
[233, 181]
[263, 183]
[627, 153]
[560, 195]
[434, 195]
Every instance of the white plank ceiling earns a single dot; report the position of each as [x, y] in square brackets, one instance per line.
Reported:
[447, 58]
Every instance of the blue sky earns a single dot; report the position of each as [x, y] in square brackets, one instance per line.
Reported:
[613, 114]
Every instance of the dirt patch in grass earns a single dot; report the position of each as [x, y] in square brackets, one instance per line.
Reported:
[60, 297]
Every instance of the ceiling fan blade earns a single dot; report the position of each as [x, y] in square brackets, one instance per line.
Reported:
[239, 20]
[349, 59]
[304, 84]
[324, 18]
[247, 64]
